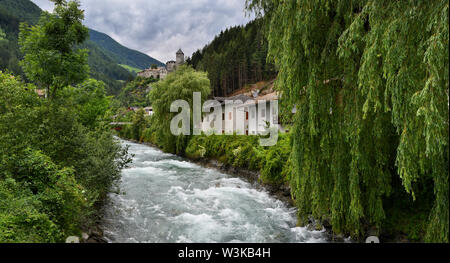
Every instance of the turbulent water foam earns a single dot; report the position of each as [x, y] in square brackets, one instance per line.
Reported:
[167, 199]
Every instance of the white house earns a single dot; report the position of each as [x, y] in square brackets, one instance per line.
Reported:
[229, 119]
[241, 115]
[260, 114]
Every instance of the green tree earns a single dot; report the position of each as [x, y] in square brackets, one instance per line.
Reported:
[370, 82]
[27, 173]
[139, 124]
[20, 218]
[58, 160]
[135, 92]
[53, 170]
[179, 85]
[50, 57]
[89, 101]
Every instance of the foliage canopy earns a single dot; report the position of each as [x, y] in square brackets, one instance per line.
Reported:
[179, 85]
[49, 47]
[370, 81]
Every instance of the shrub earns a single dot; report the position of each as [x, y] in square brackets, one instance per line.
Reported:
[58, 202]
[20, 218]
[53, 169]
[276, 167]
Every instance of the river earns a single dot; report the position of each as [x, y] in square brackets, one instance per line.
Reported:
[166, 199]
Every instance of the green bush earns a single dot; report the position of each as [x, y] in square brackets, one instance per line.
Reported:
[196, 148]
[139, 124]
[149, 135]
[49, 157]
[245, 152]
[20, 218]
[276, 166]
[58, 201]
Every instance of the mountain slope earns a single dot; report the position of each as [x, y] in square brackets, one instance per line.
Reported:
[121, 54]
[104, 58]
[24, 10]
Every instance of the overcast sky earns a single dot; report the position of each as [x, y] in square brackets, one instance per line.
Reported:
[160, 27]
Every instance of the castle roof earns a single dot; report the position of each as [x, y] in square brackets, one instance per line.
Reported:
[179, 51]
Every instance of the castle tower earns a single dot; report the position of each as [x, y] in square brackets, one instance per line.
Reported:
[180, 57]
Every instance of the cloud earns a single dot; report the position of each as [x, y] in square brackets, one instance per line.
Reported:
[160, 27]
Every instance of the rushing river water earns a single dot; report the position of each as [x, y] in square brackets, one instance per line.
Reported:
[167, 199]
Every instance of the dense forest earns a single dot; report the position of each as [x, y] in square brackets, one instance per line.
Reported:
[121, 54]
[370, 80]
[105, 68]
[235, 58]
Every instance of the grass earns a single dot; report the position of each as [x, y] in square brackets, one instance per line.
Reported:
[130, 69]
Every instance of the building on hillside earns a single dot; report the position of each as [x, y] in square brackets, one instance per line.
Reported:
[156, 73]
[179, 58]
[171, 65]
[161, 72]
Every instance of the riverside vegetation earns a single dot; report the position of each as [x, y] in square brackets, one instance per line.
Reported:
[367, 153]
[58, 158]
[239, 151]
[368, 150]
[370, 80]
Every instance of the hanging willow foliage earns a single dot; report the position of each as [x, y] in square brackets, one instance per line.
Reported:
[370, 82]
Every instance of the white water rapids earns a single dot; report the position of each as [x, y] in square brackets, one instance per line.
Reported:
[166, 199]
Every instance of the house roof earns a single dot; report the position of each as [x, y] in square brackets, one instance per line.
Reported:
[240, 97]
[262, 87]
[268, 97]
[180, 51]
[222, 100]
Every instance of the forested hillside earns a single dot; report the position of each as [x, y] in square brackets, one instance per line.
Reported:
[24, 10]
[104, 55]
[12, 13]
[236, 57]
[105, 68]
[121, 54]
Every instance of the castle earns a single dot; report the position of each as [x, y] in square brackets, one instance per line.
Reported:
[161, 72]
